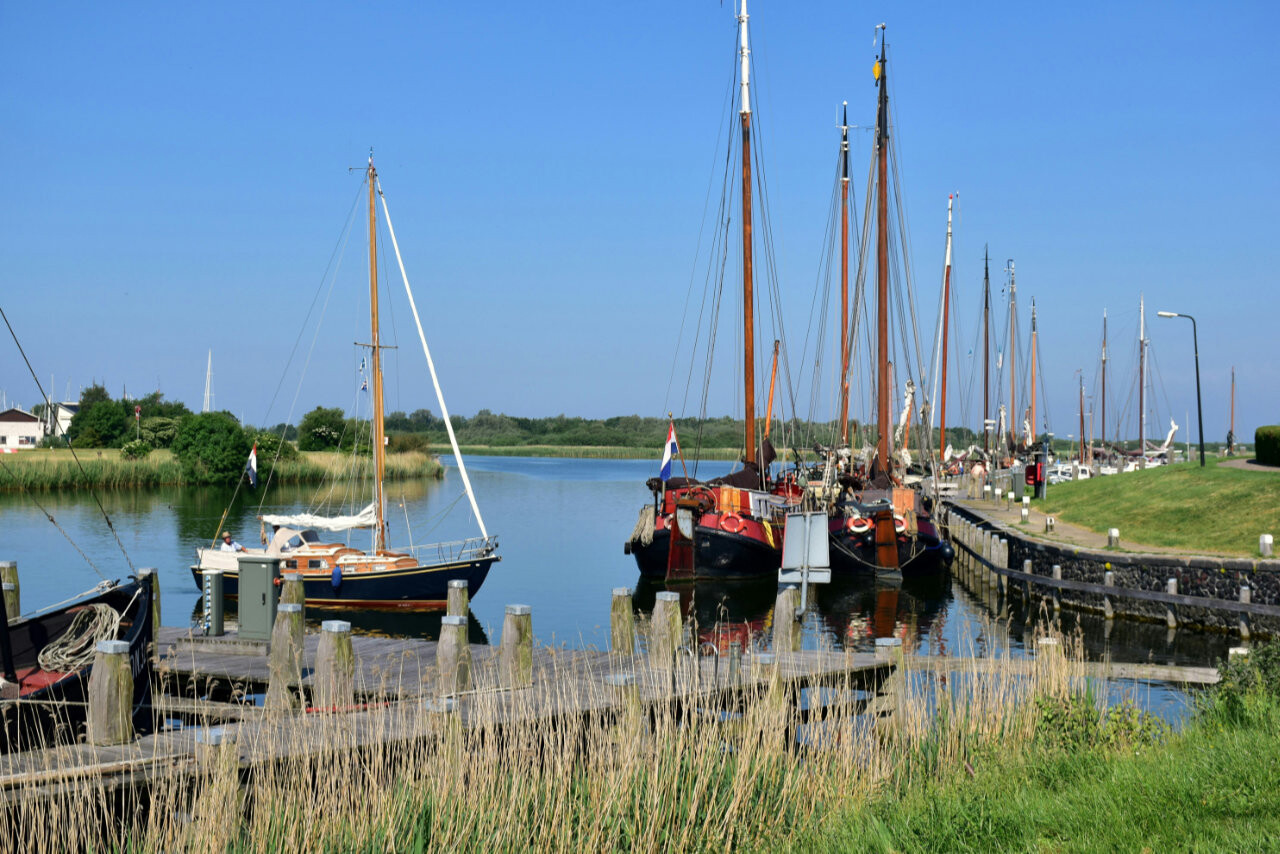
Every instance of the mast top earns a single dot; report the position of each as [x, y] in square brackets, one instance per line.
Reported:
[744, 52]
[844, 142]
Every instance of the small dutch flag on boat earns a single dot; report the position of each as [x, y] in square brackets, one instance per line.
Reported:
[251, 467]
[669, 451]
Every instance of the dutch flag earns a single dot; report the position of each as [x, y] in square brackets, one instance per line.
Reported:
[669, 451]
[251, 467]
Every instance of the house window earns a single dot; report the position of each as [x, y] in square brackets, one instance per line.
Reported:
[26, 440]
[4, 440]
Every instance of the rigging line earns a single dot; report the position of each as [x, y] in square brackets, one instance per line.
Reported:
[338, 253]
[29, 494]
[725, 124]
[74, 456]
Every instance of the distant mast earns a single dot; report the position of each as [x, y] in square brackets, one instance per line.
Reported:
[946, 303]
[1231, 434]
[748, 318]
[844, 274]
[1034, 355]
[1104, 378]
[208, 385]
[883, 416]
[1013, 351]
[1142, 381]
[986, 351]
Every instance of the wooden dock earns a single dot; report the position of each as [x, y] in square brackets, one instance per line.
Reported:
[399, 698]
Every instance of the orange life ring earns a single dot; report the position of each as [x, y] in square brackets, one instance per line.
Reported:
[858, 525]
[731, 523]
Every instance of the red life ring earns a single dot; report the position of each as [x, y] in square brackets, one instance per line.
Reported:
[858, 525]
[731, 523]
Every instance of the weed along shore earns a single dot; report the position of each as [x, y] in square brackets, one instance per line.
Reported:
[381, 744]
[45, 469]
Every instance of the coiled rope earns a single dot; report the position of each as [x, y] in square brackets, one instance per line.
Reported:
[75, 648]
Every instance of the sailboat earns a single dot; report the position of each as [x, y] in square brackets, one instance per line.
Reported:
[876, 523]
[729, 527]
[335, 574]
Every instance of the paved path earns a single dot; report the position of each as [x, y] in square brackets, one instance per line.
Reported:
[1250, 465]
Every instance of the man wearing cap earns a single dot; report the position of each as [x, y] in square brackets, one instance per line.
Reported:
[228, 544]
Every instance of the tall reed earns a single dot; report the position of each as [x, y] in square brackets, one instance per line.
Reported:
[574, 763]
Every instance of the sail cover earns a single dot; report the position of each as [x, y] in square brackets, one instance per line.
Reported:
[364, 519]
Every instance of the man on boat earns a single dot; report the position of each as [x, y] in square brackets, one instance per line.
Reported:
[228, 544]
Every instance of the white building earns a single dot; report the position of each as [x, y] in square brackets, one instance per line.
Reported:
[58, 418]
[19, 431]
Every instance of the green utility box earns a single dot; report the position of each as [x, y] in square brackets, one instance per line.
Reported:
[258, 596]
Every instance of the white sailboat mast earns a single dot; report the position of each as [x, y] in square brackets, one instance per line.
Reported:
[1142, 381]
[431, 366]
[208, 385]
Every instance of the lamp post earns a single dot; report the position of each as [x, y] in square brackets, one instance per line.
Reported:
[1196, 346]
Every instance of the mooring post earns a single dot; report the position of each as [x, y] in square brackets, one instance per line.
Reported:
[1246, 596]
[292, 591]
[152, 575]
[786, 628]
[888, 703]
[999, 493]
[459, 598]
[622, 622]
[1048, 524]
[1108, 610]
[285, 663]
[734, 676]
[213, 604]
[1170, 616]
[1049, 660]
[1113, 537]
[111, 694]
[12, 590]
[1264, 545]
[333, 683]
[1028, 568]
[453, 655]
[986, 492]
[1009, 499]
[1057, 598]
[516, 654]
[1026, 515]
[993, 578]
[666, 630]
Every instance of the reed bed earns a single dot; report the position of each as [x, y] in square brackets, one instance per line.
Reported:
[49, 470]
[573, 764]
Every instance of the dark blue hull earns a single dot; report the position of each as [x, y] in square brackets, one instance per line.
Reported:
[416, 587]
[918, 557]
[716, 554]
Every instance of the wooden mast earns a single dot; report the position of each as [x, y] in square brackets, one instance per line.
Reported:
[844, 274]
[883, 416]
[748, 317]
[379, 451]
[946, 304]
[986, 350]
[1031, 438]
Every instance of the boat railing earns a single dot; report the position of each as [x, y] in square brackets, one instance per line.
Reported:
[471, 548]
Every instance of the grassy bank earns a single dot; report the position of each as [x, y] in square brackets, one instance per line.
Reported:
[982, 761]
[1212, 509]
[44, 469]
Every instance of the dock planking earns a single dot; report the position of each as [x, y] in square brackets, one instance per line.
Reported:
[398, 699]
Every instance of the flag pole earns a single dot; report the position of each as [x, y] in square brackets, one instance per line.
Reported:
[679, 450]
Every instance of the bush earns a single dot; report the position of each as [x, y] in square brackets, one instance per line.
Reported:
[1266, 441]
[404, 442]
[321, 429]
[271, 449]
[135, 450]
[212, 448]
[1073, 723]
[1243, 679]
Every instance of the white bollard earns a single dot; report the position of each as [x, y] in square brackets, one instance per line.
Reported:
[1113, 537]
[1170, 616]
[1264, 545]
[1049, 522]
[1026, 514]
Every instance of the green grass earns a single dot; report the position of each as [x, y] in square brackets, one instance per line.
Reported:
[1210, 788]
[1214, 509]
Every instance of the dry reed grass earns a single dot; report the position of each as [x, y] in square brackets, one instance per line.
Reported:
[574, 763]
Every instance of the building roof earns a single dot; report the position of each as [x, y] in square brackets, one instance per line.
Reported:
[16, 415]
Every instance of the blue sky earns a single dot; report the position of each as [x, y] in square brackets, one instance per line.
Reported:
[177, 181]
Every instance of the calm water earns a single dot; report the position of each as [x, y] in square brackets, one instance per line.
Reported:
[561, 524]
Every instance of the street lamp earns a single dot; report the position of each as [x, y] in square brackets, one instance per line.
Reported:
[1196, 345]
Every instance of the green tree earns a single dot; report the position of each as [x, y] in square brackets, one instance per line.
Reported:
[159, 431]
[101, 421]
[212, 448]
[321, 429]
